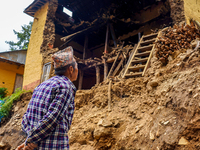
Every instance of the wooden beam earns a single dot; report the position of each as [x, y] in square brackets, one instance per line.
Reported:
[97, 74]
[112, 68]
[109, 95]
[113, 34]
[85, 46]
[90, 66]
[105, 69]
[106, 42]
[118, 67]
[80, 83]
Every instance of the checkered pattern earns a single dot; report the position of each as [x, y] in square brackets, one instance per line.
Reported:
[63, 57]
[49, 114]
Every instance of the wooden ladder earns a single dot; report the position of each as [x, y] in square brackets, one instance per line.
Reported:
[139, 60]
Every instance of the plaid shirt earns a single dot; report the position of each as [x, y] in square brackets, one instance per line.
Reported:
[49, 114]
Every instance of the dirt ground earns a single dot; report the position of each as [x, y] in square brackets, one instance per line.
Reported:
[160, 111]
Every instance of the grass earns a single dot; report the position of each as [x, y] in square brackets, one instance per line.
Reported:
[8, 103]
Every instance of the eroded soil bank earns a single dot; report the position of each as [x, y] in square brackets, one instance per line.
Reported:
[160, 111]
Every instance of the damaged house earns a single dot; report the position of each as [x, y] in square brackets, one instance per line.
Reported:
[110, 38]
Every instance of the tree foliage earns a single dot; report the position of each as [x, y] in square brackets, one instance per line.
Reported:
[23, 38]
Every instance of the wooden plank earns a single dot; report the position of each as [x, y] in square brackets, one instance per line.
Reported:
[137, 67]
[106, 42]
[148, 62]
[145, 48]
[133, 74]
[109, 95]
[105, 69]
[146, 37]
[97, 74]
[118, 66]
[143, 54]
[90, 66]
[110, 60]
[131, 57]
[111, 70]
[148, 42]
[139, 60]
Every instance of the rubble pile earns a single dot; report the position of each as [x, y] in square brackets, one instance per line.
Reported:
[176, 38]
[91, 61]
[124, 49]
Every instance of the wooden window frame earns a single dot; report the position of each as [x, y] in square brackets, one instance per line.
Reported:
[46, 76]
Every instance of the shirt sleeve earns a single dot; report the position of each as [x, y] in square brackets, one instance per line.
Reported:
[51, 119]
[71, 113]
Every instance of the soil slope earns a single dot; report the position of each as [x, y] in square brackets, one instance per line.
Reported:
[160, 111]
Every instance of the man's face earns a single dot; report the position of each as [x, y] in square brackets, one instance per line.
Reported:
[74, 73]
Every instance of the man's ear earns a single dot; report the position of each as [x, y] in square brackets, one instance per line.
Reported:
[71, 69]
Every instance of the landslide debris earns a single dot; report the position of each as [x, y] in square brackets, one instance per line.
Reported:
[159, 111]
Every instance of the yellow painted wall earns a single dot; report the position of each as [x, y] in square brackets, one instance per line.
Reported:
[192, 10]
[8, 74]
[33, 65]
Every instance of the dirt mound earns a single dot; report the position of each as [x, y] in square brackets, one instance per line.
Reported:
[159, 111]
[11, 134]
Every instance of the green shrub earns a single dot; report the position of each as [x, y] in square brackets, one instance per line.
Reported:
[3, 92]
[8, 102]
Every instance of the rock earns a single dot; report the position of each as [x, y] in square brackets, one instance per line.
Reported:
[157, 133]
[104, 123]
[116, 123]
[107, 123]
[16, 108]
[196, 95]
[100, 123]
[151, 136]
[183, 141]
[5, 146]
[170, 58]
[2, 145]
[166, 122]
[101, 132]
[153, 83]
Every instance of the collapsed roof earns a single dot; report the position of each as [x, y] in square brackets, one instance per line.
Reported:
[90, 17]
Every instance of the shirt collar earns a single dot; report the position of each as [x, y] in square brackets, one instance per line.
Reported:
[71, 83]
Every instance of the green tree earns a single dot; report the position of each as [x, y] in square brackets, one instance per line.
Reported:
[23, 38]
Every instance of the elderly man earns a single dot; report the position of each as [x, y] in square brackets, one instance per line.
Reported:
[51, 108]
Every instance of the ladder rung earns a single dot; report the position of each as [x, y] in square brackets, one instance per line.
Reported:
[134, 74]
[147, 42]
[143, 54]
[140, 60]
[150, 36]
[136, 67]
[145, 48]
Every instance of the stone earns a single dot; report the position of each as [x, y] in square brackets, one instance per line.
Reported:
[166, 122]
[196, 95]
[100, 122]
[101, 132]
[153, 83]
[170, 58]
[2, 145]
[107, 123]
[151, 136]
[16, 108]
[157, 133]
[116, 123]
[183, 141]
